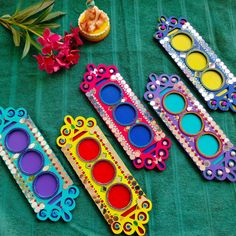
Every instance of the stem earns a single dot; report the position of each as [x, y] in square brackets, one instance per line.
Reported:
[37, 46]
[20, 26]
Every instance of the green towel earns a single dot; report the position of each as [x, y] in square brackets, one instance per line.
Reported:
[183, 202]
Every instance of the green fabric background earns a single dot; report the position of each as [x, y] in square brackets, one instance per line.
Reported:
[183, 202]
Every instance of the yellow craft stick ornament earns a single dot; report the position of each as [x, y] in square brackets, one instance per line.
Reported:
[112, 187]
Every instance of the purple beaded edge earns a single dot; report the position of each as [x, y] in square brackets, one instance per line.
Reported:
[214, 168]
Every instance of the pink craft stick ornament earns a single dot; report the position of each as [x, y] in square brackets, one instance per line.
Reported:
[136, 130]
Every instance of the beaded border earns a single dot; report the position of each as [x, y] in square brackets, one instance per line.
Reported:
[224, 98]
[221, 167]
[109, 74]
[57, 206]
[135, 215]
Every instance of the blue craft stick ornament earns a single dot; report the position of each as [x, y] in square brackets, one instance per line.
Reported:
[196, 59]
[41, 177]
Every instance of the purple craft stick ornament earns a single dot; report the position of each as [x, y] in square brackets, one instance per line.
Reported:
[193, 127]
[34, 166]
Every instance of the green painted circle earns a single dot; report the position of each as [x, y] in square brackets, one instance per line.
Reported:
[208, 145]
[174, 103]
[191, 124]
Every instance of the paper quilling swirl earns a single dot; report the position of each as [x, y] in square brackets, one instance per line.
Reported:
[136, 130]
[205, 70]
[193, 127]
[34, 166]
[114, 190]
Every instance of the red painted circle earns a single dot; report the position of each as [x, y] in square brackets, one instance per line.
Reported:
[119, 196]
[103, 172]
[88, 149]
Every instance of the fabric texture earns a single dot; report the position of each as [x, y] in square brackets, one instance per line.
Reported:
[183, 202]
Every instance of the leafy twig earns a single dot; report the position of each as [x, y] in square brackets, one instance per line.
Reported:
[31, 22]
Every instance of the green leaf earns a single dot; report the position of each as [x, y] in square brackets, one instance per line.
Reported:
[53, 15]
[22, 15]
[16, 36]
[50, 25]
[27, 44]
[43, 15]
[6, 16]
[41, 27]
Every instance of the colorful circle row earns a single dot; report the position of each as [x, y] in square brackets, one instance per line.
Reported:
[125, 114]
[31, 163]
[192, 124]
[104, 172]
[211, 78]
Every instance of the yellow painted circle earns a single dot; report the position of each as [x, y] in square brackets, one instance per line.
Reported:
[182, 42]
[212, 79]
[197, 60]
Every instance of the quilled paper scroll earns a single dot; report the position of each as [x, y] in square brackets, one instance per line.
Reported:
[34, 166]
[193, 127]
[136, 130]
[206, 71]
[110, 184]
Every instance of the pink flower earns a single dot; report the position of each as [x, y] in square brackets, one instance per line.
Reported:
[47, 63]
[73, 38]
[49, 41]
[58, 52]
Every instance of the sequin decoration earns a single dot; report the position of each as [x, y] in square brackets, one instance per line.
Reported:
[136, 130]
[196, 59]
[114, 190]
[193, 127]
[34, 166]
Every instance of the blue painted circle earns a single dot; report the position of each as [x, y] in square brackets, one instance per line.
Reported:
[125, 114]
[111, 94]
[174, 103]
[140, 135]
[191, 124]
[208, 145]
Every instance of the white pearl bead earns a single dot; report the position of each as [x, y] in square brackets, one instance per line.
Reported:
[209, 172]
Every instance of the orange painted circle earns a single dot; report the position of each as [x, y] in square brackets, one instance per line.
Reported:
[88, 149]
[119, 196]
[103, 172]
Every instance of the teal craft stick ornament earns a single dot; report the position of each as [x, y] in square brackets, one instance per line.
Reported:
[41, 177]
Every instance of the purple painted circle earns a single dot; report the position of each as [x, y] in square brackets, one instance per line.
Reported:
[17, 140]
[46, 185]
[31, 162]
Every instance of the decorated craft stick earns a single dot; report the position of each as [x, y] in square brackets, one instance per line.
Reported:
[205, 70]
[34, 166]
[110, 184]
[193, 127]
[136, 130]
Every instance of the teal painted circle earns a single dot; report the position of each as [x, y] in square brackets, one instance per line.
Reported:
[174, 103]
[191, 124]
[140, 135]
[208, 145]
[111, 94]
[125, 114]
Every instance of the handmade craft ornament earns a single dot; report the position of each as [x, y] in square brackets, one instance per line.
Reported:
[94, 24]
[34, 166]
[138, 133]
[206, 71]
[110, 184]
[194, 128]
